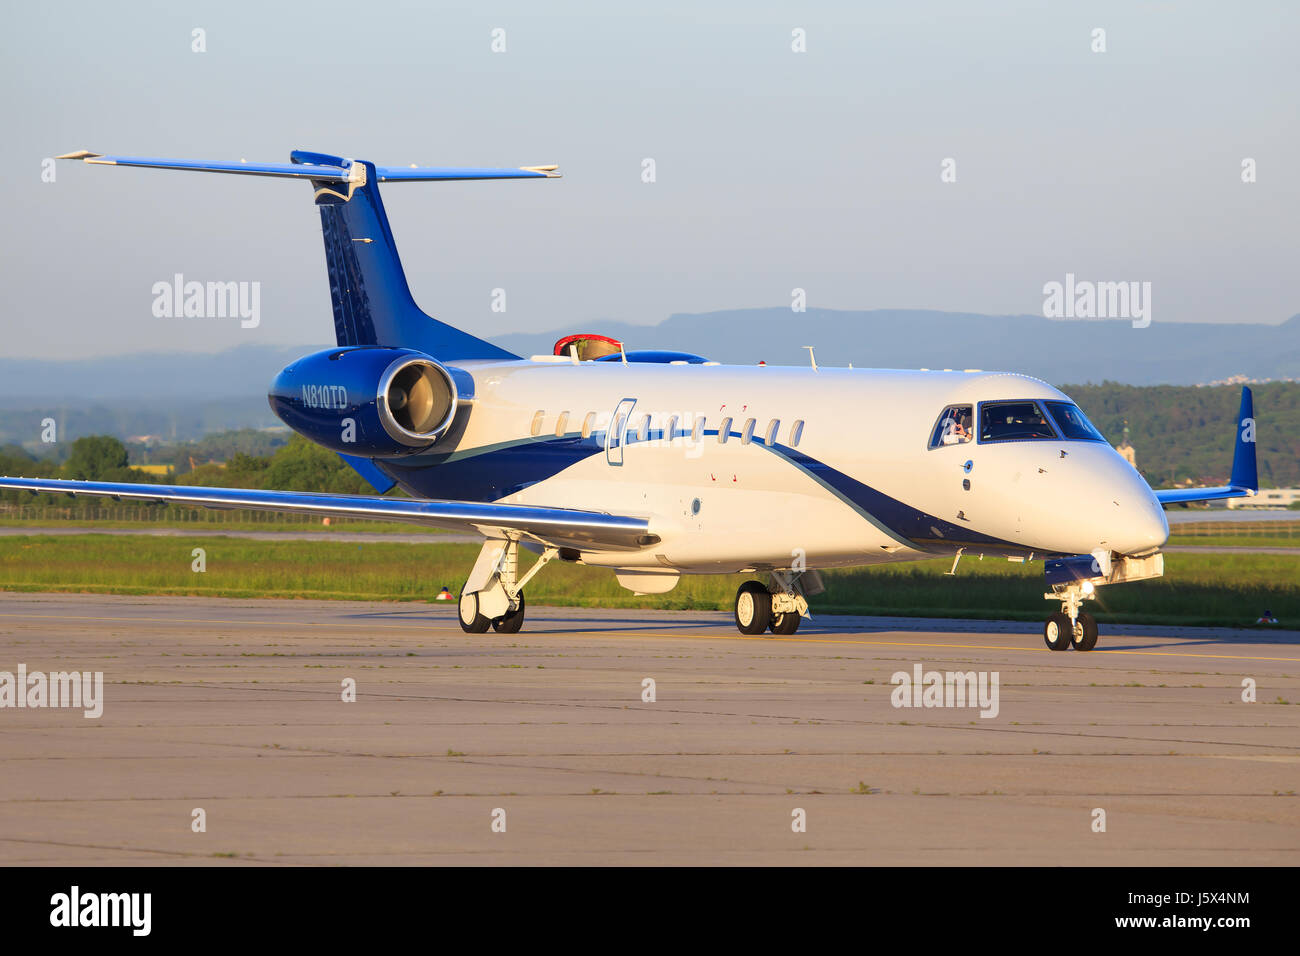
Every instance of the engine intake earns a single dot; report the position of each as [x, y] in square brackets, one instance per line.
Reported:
[416, 401]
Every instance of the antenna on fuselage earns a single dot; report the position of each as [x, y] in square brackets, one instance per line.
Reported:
[812, 357]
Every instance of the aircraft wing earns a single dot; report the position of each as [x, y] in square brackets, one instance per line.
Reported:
[1245, 474]
[561, 527]
[1176, 496]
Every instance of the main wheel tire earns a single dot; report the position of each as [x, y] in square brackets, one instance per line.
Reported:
[511, 621]
[471, 621]
[1085, 632]
[1058, 631]
[786, 624]
[753, 608]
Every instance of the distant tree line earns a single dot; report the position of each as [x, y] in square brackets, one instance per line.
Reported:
[298, 465]
[1183, 433]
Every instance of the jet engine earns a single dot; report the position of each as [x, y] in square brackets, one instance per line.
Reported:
[369, 402]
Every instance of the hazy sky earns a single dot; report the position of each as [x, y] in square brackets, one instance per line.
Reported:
[774, 169]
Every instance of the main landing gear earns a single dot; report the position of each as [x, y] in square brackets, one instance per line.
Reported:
[494, 594]
[779, 608]
[472, 622]
[1070, 626]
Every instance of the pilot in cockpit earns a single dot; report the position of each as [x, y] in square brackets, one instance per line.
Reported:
[956, 426]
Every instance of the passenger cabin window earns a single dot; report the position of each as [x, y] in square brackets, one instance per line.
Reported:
[773, 427]
[724, 431]
[561, 424]
[537, 423]
[1072, 422]
[954, 427]
[796, 432]
[747, 433]
[1014, 421]
[588, 424]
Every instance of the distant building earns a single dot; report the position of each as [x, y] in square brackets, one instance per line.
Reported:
[1126, 449]
[1268, 499]
[1241, 380]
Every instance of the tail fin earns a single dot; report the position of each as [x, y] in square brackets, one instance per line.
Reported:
[1245, 473]
[372, 301]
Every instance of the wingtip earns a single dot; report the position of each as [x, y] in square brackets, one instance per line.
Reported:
[80, 154]
[551, 172]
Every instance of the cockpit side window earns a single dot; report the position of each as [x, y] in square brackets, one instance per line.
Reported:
[1014, 421]
[954, 426]
[1072, 422]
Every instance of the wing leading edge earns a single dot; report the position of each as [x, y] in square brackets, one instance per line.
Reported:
[561, 527]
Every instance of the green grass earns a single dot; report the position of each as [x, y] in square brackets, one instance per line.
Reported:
[1196, 589]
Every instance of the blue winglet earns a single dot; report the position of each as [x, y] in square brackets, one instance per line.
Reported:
[1245, 473]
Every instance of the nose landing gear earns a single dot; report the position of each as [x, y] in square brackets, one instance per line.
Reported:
[1070, 626]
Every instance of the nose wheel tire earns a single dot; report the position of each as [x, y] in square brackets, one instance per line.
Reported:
[753, 608]
[1058, 631]
[511, 621]
[785, 624]
[1085, 632]
[471, 621]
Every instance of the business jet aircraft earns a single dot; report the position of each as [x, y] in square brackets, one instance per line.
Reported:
[660, 463]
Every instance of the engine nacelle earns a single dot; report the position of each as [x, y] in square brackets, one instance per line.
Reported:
[367, 401]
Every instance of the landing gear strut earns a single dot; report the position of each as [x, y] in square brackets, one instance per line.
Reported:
[494, 594]
[1070, 626]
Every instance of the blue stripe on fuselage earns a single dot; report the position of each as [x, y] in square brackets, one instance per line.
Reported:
[496, 471]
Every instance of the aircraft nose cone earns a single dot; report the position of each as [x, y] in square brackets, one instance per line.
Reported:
[1140, 524]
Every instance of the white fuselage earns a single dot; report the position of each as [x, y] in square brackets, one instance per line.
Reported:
[863, 484]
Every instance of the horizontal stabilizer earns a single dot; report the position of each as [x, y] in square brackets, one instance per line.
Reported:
[286, 170]
[320, 166]
[430, 174]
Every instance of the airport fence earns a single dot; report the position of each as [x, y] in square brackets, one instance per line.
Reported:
[1282, 528]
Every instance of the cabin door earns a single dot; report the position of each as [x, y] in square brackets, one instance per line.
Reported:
[617, 431]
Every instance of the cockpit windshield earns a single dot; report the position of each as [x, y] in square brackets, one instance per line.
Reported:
[1072, 422]
[1014, 421]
